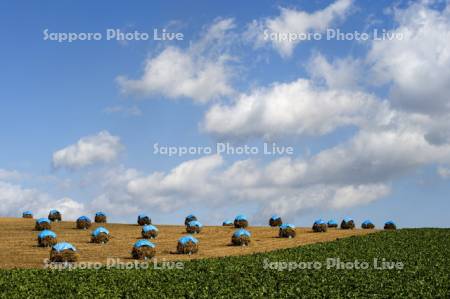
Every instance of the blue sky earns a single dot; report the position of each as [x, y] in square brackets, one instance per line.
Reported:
[79, 120]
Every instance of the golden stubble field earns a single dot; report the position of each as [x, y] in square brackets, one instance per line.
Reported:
[18, 241]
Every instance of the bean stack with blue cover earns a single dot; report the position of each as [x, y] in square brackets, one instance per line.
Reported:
[100, 217]
[149, 232]
[84, 222]
[189, 218]
[240, 221]
[227, 223]
[287, 231]
[347, 223]
[390, 225]
[43, 224]
[143, 250]
[63, 253]
[194, 227]
[47, 238]
[144, 220]
[100, 235]
[241, 237]
[332, 223]
[187, 245]
[27, 215]
[367, 224]
[319, 226]
[54, 215]
[275, 221]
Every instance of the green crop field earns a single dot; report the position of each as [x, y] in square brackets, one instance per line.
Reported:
[424, 254]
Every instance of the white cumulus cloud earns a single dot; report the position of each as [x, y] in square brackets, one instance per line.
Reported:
[417, 65]
[211, 183]
[14, 199]
[298, 108]
[199, 72]
[297, 22]
[102, 147]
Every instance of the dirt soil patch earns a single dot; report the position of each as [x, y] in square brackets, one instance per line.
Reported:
[19, 248]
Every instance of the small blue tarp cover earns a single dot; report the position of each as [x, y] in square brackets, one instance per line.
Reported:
[241, 232]
[99, 230]
[390, 222]
[144, 243]
[240, 217]
[100, 214]
[63, 246]
[275, 217]
[190, 216]
[27, 213]
[186, 239]
[195, 223]
[367, 222]
[42, 220]
[287, 225]
[348, 219]
[332, 222]
[319, 221]
[147, 228]
[142, 216]
[228, 222]
[84, 218]
[54, 212]
[46, 233]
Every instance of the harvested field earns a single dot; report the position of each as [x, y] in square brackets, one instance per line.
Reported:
[18, 246]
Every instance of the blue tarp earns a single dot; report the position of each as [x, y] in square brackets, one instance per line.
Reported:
[332, 222]
[100, 214]
[84, 218]
[141, 216]
[99, 230]
[319, 221]
[144, 243]
[287, 225]
[240, 217]
[190, 216]
[46, 233]
[195, 223]
[27, 213]
[367, 222]
[186, 239]
[275, 217]
[390, 222]
[63, 246]
[147, 228]
[54, 212]
[241, 232]
[42, 220]
[348, 219]
[227, 222]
